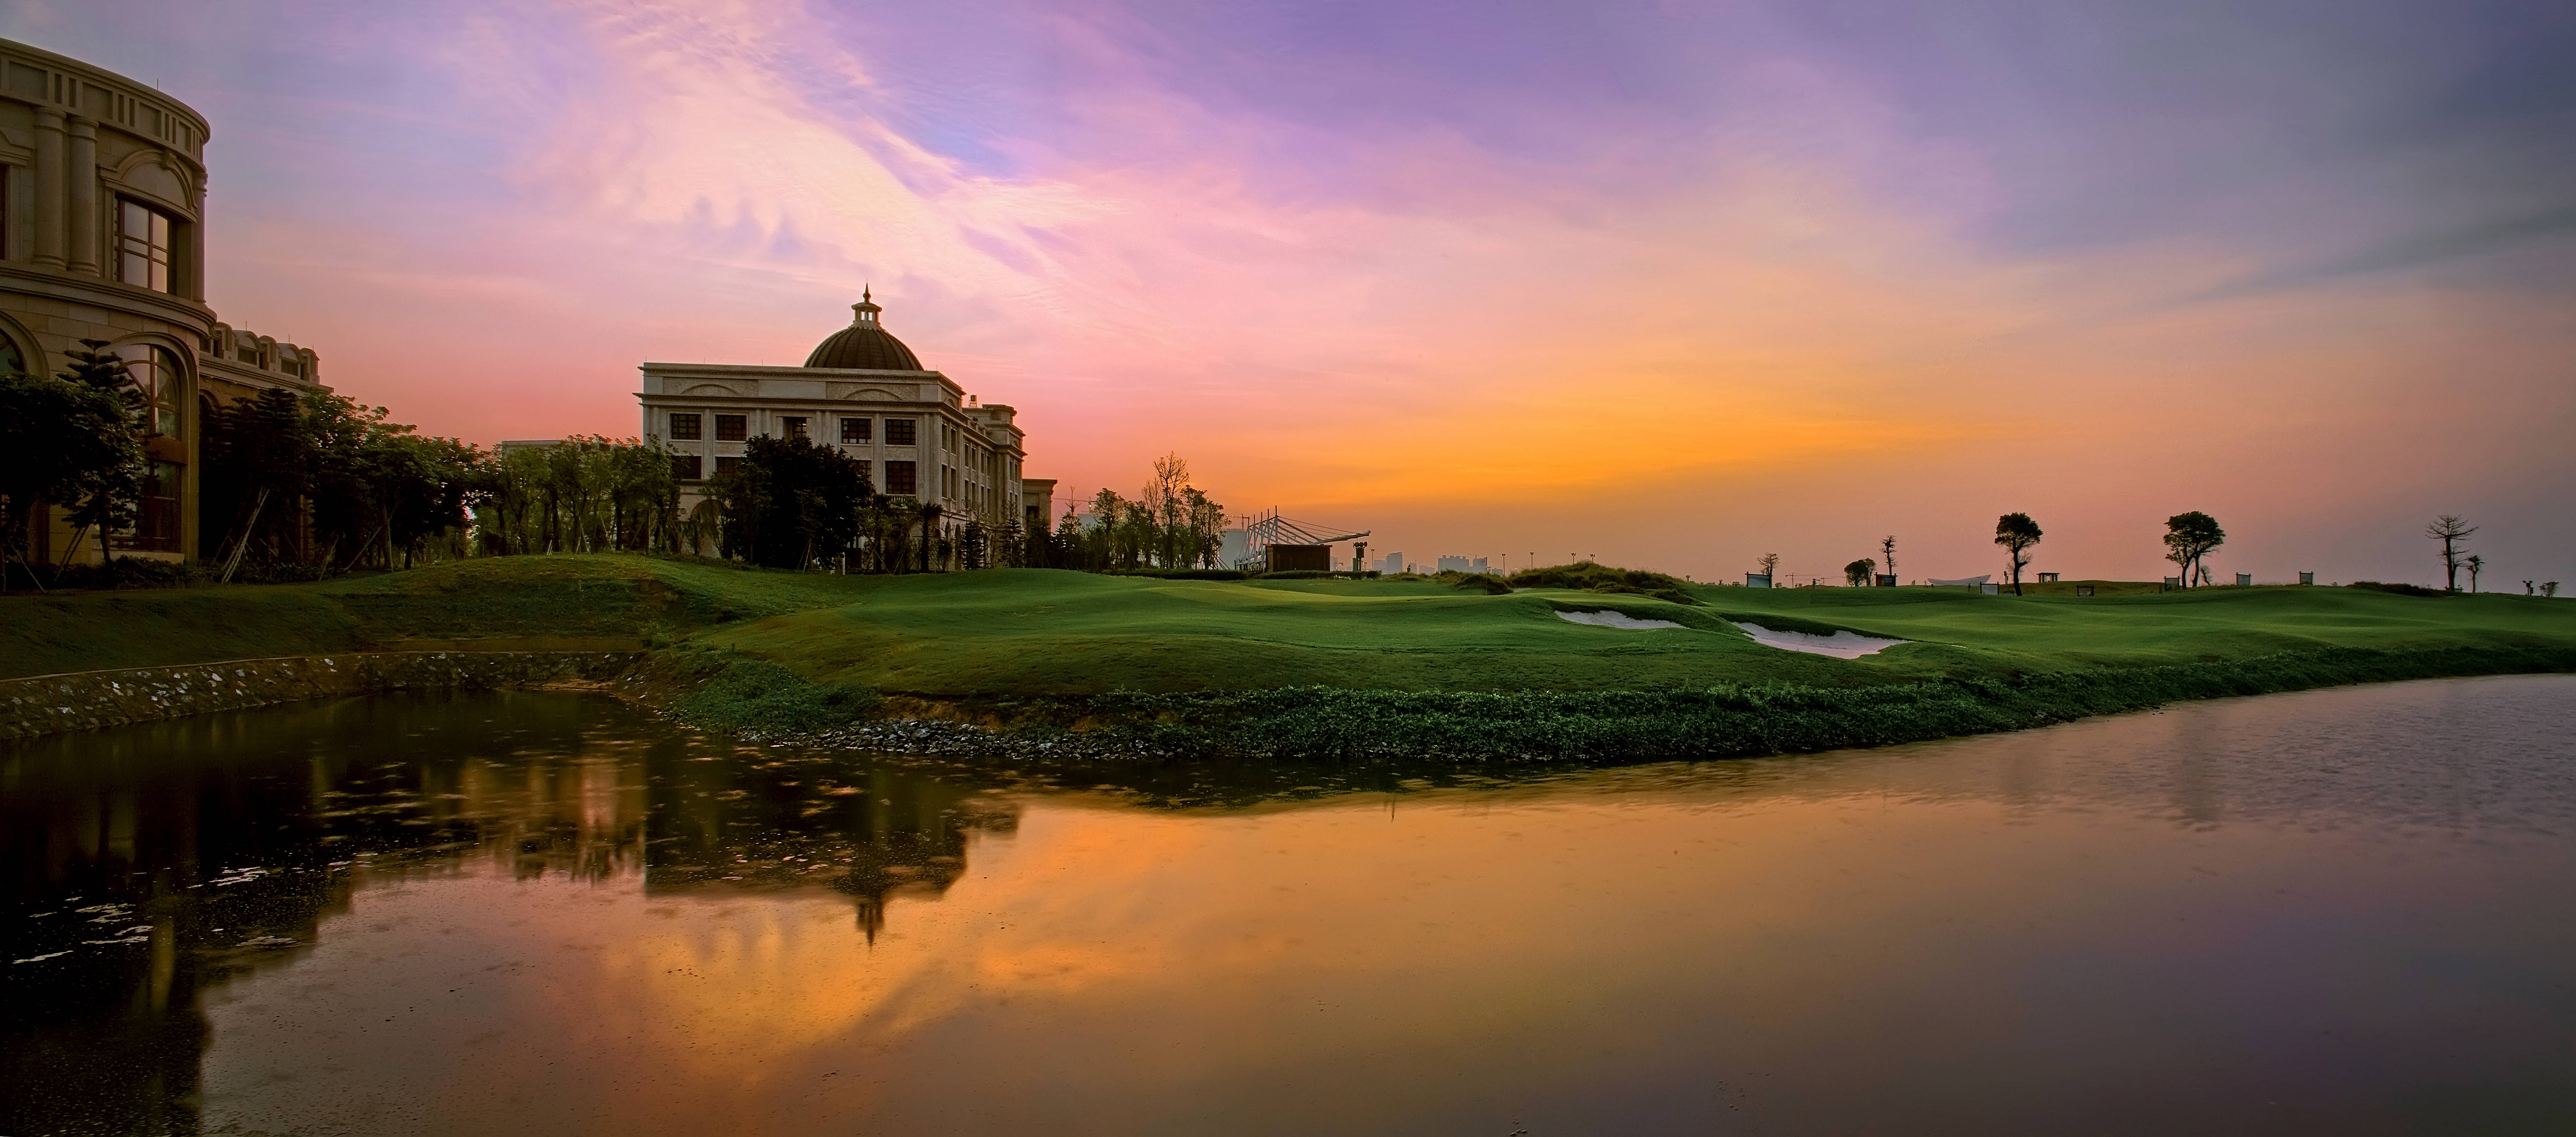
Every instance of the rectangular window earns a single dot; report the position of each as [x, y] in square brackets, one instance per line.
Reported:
[246, 354]
[730, 428]
[142, 246]
[857, 429]
[726, 466]
[863, 465]
[156, 524]
[794, 425]
[686, 467]
[294, 367]
[899, 478]
[899, 432]
[684, 428]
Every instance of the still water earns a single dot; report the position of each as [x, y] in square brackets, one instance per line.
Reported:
[2349, 911]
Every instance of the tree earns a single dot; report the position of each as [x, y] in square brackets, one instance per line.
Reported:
[60, 441]
[108, 495]
[1858, 572]
[2189, 537]
[1769, 562]
[2474, 563]
[2016, 532]
[2452, 531]
[257, 460]
[1887, 549]
[2549, 588]
[791, 503]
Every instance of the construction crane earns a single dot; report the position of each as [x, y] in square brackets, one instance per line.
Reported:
[1262, 530]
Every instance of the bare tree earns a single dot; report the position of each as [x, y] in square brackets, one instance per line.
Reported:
[1887, 552]
[2474, 563]
[2016, 532]
[1769, 562]
[2452, 531]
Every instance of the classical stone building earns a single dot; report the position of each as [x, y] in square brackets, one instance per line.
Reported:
[102, 237]
[920, 435]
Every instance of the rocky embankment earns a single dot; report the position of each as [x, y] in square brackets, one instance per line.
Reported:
[85, 700]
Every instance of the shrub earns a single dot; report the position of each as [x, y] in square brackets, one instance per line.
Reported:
[761, 697]
[2399, 589]
[1590, 577]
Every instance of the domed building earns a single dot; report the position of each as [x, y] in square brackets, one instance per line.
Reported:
[861, 390]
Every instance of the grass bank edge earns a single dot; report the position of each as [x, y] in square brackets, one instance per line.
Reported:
[754, 697]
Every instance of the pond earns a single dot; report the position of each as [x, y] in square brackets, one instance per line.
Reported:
[2343, 910]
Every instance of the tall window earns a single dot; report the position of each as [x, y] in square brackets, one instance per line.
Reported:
[156, 524]
[155, 375]
[686, 467]
[142, 246]
[731, 428]
[794, 425]
[684, 428]
[899, 479]
[726, 466]
[899, 432]
[856, 429]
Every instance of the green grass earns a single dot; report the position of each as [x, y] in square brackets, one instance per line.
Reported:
[1269, 656]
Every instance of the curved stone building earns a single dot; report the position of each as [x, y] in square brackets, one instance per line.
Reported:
[861, 390]
[102, 237]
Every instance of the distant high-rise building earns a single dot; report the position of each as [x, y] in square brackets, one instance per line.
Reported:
[1480, 566]
[1391, 564]
[1460, 564]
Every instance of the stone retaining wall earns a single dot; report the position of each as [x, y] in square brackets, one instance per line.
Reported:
[84, 700]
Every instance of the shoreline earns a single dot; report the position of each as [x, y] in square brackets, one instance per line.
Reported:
[763, 703]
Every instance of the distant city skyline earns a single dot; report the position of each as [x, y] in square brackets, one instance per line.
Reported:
[1682, 287]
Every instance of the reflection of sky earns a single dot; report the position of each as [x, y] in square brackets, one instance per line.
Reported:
[1485, 278]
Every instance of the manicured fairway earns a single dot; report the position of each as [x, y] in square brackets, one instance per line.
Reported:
[1041, 632]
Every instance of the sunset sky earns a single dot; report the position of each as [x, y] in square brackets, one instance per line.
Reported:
[1673, 284]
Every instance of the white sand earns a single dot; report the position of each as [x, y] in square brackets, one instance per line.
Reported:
[1840, 645]
[1614, 620]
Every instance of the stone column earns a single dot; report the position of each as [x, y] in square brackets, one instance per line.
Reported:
[49, 188]
[193, 285]
[80, 198]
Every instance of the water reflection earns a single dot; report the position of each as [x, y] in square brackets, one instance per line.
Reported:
[148, 863]
[447, 913]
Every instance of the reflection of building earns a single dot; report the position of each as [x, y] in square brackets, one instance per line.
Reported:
[862, 391]
[102, 206]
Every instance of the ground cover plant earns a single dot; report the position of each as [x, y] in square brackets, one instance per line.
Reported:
[1328, 666]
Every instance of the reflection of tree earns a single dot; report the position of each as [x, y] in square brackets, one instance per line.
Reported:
[204, 848]
[870, 832]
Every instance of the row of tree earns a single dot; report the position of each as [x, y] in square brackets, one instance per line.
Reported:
[306, 484]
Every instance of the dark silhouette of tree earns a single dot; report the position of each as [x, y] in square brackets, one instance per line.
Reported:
[2452, 531]
[60, 441]
[1856, 574]
[2016, 532]
[2188, 538]
[2474, 563]
[1769, 562]
[1887, 550]
[791, 503]
[927, 514]
[109, 496]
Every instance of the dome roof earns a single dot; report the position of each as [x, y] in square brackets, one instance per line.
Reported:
[865, 345]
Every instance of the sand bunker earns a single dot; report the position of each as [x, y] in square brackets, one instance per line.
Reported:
[1614, 620]
[1840, 645]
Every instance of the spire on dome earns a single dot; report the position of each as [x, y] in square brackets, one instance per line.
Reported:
[865, 311]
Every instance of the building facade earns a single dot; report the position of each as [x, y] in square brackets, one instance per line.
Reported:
[918, 433]
[102, 237]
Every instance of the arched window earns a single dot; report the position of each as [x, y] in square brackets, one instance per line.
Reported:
[154, 371]
[11, 359]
